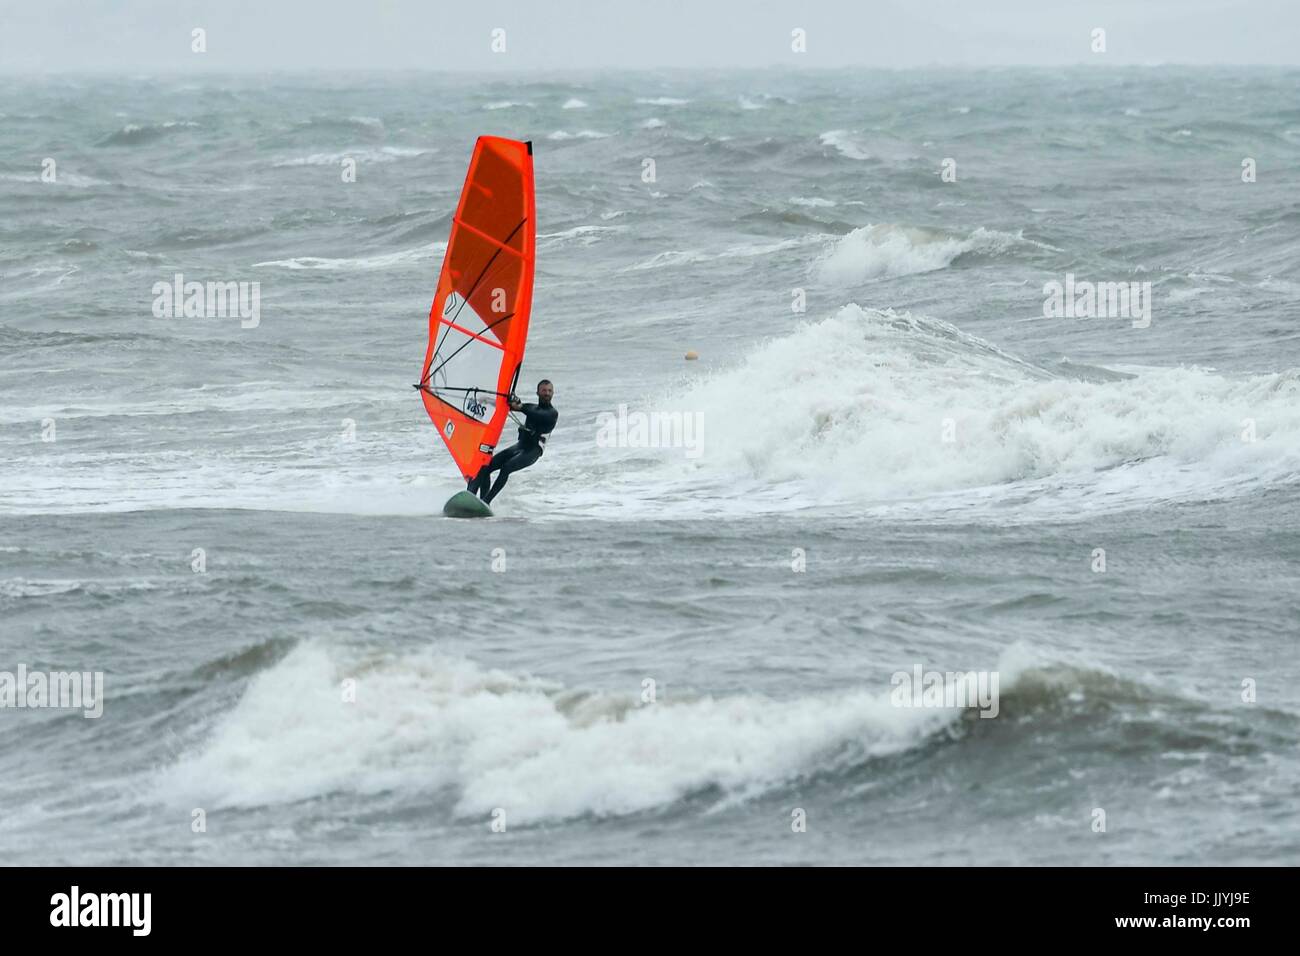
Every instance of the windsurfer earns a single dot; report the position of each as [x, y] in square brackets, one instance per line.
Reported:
[539, 421]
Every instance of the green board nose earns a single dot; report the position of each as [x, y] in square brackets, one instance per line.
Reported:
[464, 504]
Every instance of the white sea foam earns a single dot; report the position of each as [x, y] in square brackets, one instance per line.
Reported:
[888, 250]
[583, 235]
[856, 408]
[847, 144]
[364, 154]
[674, 257]
[484, 740]
[560, 134]
[62, 178]
[388, 260]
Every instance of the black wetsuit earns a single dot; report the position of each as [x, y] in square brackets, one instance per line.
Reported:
[539, 420]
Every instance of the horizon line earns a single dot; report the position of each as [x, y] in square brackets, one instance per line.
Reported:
[520, 71]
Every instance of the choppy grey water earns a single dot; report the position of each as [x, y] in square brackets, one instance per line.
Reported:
[943, 460]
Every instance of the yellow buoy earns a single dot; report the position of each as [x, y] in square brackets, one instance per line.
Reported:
[692, 355]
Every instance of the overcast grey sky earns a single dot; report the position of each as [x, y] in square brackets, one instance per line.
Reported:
[154, 35]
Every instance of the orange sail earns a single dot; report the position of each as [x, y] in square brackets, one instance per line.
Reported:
[479, 321]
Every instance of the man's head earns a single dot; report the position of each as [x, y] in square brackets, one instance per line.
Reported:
[545, 391]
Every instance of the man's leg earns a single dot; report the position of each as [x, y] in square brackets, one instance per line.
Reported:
[517, 462]
[479, 483]
[484, 477]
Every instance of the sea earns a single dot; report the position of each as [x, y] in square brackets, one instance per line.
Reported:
[698, 632]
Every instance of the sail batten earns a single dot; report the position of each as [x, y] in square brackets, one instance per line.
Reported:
[478, 324]
[500, 245]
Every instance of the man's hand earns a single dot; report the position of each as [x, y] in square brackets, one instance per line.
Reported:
[514, 403]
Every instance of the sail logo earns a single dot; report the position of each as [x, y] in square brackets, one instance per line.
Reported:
[1098, 300]
[131, 910]
[626, 429]
[67, 690]
[955, 689]
[179, 299]
[474, 408]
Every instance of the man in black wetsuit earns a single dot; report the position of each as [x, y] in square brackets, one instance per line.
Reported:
[539, 420]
